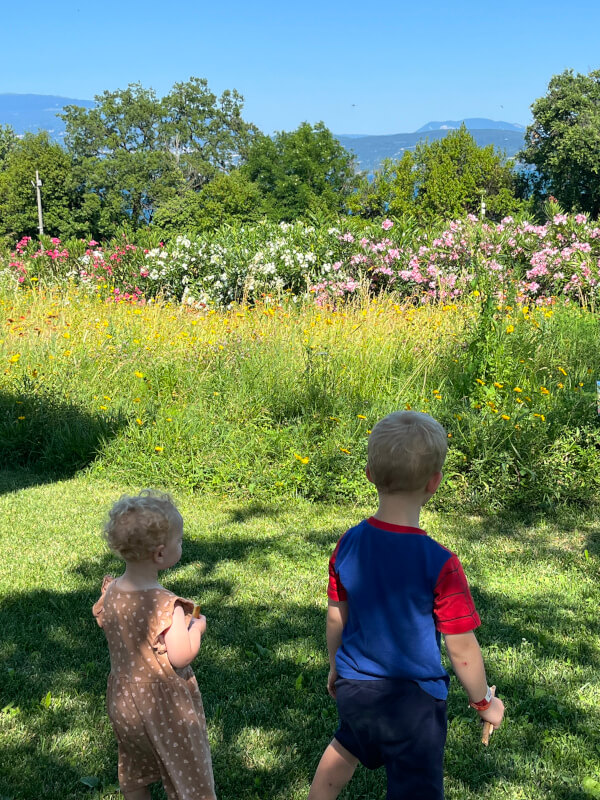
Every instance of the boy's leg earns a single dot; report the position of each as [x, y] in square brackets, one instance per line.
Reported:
[335, 769]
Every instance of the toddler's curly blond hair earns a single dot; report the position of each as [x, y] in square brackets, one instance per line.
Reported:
[138, 524]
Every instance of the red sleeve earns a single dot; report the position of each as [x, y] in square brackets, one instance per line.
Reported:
[453, 607]
[335, 590]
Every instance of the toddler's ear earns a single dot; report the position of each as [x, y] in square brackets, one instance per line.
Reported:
[158, 554]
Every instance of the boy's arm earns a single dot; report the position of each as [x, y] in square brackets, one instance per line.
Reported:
[467, 663]
[337, 616]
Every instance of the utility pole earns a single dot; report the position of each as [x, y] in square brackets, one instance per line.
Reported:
[37, 185]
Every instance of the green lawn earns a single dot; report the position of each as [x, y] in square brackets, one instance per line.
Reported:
[260, 572]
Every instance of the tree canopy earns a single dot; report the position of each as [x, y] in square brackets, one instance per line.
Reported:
[563, 141]
[301, 171]
[445, 178]
[18, 208]
[133, 151]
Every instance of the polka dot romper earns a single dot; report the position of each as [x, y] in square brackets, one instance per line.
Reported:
[156, 711]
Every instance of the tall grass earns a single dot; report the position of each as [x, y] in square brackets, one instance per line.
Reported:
[279, 401]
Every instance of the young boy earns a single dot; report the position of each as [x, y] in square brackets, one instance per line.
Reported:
[392, 592]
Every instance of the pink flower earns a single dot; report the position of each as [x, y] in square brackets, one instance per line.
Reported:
[387, 224]
[54, 240]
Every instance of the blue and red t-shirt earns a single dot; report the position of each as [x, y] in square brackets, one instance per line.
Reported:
[403, 590]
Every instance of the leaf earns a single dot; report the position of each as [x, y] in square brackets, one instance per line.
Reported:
[299, 682]
[90, 780]
[46, 701]
[262, 651]
[586, 554]
[591, 787]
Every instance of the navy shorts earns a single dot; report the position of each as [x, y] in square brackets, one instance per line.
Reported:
[394, 723]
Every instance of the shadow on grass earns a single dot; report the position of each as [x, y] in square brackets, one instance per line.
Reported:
[44, 438]
[262, 671]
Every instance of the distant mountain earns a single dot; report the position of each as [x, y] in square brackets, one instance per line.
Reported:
[473, 124]
[33, 112]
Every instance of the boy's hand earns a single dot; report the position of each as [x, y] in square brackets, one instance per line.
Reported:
[331, 679]
[494, 713]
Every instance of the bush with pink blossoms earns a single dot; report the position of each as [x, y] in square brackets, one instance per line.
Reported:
[514, 260]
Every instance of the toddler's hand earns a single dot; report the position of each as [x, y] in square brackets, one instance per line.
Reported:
[331, 679]
[199, 621]
[494, 713]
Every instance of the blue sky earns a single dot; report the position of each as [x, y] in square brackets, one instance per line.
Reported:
[360, 67]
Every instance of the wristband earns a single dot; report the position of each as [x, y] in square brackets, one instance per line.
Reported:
[484, 704]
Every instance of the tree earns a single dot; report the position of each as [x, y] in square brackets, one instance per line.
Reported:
[134, 151]
[563, 142]
[391, 190]
[453, 176]
[60, 201]
[8, 142]
[299, 172]
[228, 198]
[207, 136]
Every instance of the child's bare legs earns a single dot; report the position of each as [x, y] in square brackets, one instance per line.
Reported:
[137, 794]
[335, 769]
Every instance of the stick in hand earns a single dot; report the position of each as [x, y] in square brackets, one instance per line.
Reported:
[196, 611]
[488, 728]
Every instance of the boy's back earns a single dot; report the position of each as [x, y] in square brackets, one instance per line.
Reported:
[402, 589]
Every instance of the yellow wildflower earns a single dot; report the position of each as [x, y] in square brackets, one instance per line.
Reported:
[517, 389]
[361, 416]
[343, 449]
[138, 374]
[478, 380]
[564, 372]
[543, 390]
[159, 449]
[302, 459]
[510, 328]
[498, 385]
[15, 358]
[505, 416]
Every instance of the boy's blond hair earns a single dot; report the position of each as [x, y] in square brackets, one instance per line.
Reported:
[138, 524]
[405, 449]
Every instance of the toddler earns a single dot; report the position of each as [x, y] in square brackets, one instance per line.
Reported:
[153, 699]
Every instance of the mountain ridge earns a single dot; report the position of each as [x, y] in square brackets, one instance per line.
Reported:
[33, 112]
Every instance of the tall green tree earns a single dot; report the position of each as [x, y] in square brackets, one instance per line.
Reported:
[301, 172]
[8, 142]
[60, 200]
[563, 141]
[207, 135]
[453, 175]
[230, 197]
[134, 151]
[390, 191]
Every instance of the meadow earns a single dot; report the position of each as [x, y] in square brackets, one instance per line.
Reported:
[254, 410]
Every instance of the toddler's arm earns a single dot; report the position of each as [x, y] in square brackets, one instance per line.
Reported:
[182, 642]
[467, 662]
[337, 616]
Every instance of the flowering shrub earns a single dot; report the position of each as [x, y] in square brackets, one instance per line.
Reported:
[532, 264]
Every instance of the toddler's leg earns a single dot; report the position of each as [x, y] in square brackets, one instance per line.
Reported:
[335, 769]
[138, 794]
